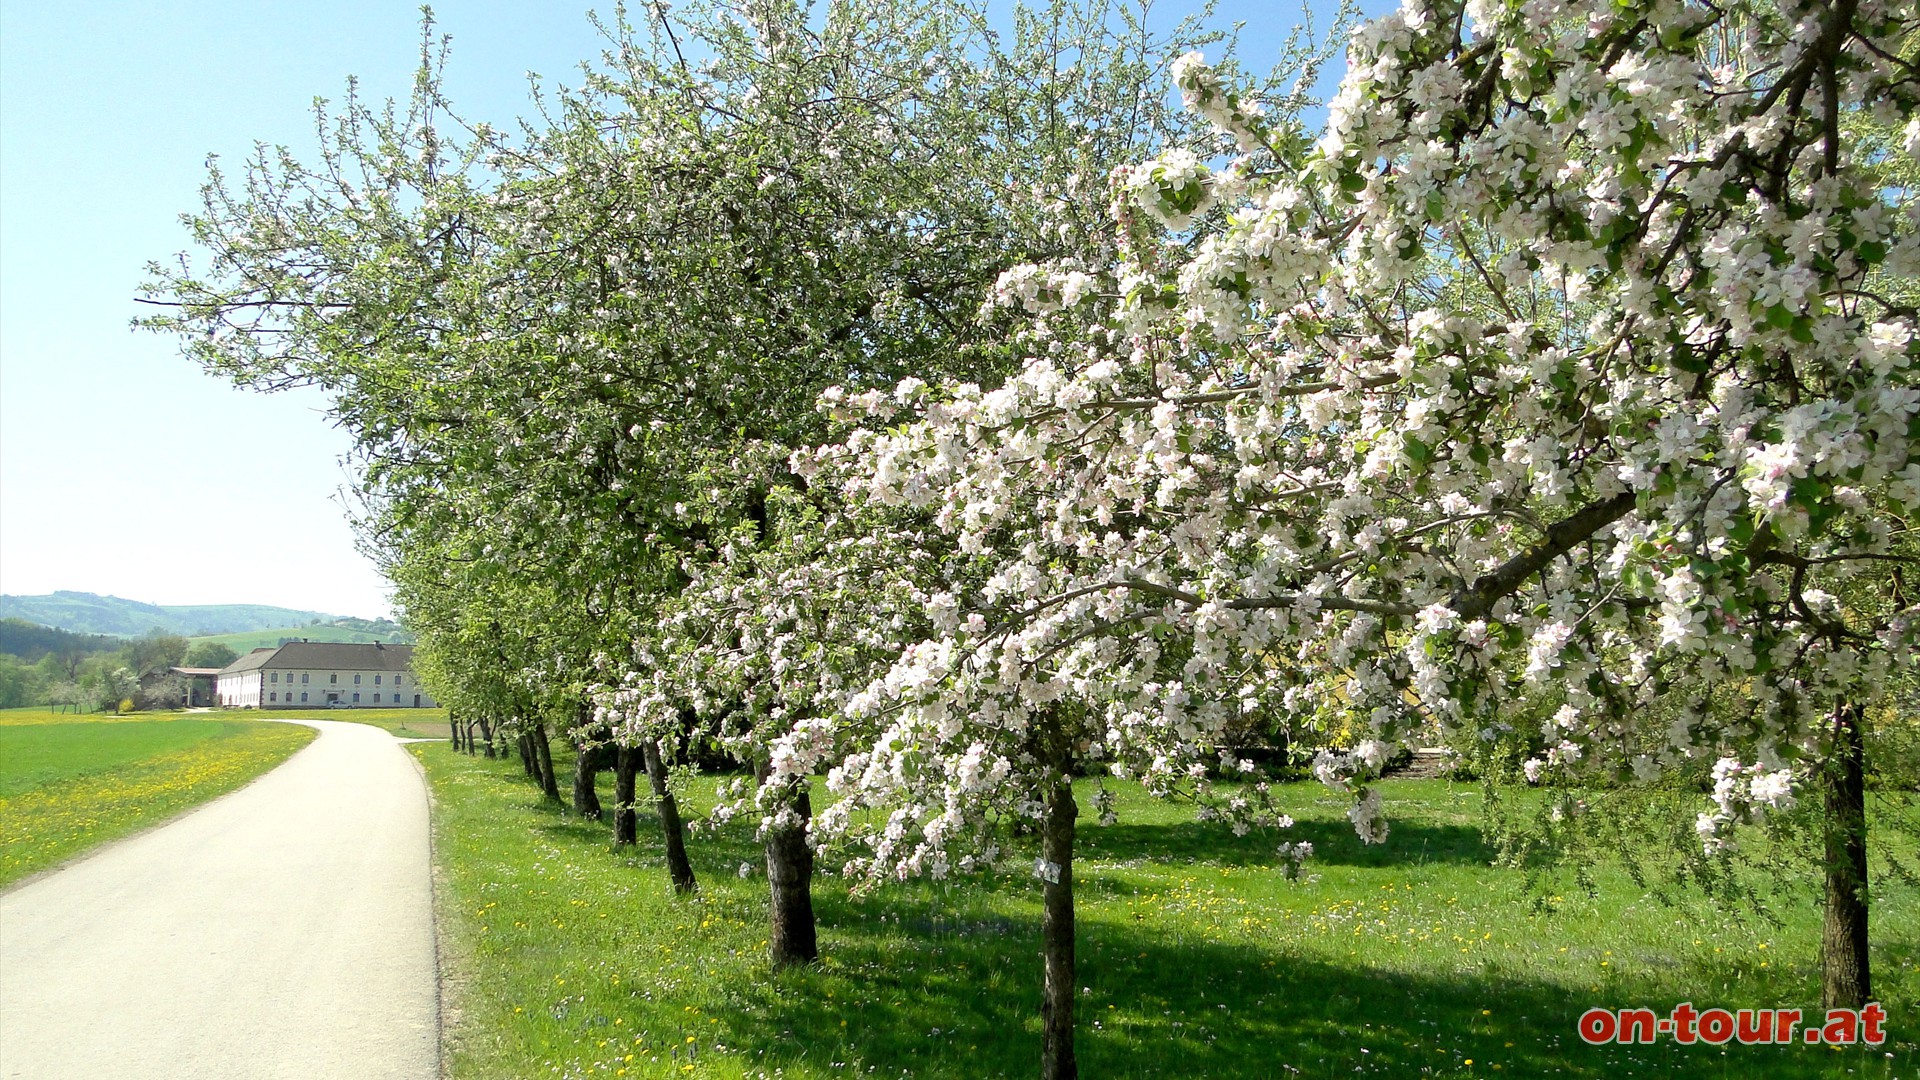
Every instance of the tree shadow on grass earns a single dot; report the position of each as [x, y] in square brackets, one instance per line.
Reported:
[935, 994]
[944, 981]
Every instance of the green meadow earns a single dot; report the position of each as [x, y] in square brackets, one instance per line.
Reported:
[68, 784]
[38, 755]
[1416, 958]
[402, 723]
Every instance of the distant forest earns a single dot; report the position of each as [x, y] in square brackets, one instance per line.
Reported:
[43, 666]
[31, 641]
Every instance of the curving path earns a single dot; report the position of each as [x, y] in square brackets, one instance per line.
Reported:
[285, 930]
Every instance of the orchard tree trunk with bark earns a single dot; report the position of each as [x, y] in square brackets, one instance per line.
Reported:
[626, 765]
[792, 936]
[1057, 933]
[486, 734]
[678, 866]
[1845, 978]
[543, 759]
[586, 766]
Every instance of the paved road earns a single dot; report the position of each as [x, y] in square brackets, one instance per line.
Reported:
[285, 930]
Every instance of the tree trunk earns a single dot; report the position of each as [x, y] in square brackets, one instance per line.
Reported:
[525, 744]
[486, 733]
[543, 756]
[1056, 933]
[1845, 982]
[791, 937]
[460, 741]
[676, 832]
[626, 763]
[586, 765]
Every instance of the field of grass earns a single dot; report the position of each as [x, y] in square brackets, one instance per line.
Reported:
[403, 723]
[1195, 957]
[69, 783]
[41, 714]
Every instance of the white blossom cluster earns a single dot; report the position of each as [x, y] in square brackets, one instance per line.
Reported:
[1741, 794]
[1562, 369]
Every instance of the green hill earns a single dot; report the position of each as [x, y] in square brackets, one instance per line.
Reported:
[87, 613]
[248, 640]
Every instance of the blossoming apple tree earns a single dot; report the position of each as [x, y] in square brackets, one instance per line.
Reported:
[1563, 368]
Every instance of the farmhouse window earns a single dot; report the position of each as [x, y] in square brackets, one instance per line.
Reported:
[334, 678]
[356, 680]
[303, 695]
[396, 680]
[275, 677]
[356, 699]
[273, 697]
[376, 699]
[376, 680]
[303, 679]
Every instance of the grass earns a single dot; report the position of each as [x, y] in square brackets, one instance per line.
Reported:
[69, 784]
[1415, 959]
[403, 723]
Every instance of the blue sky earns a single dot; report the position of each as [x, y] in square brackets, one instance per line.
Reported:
[123, 469]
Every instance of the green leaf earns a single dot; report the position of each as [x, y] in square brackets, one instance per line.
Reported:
[1684, 358]
[1417, 452]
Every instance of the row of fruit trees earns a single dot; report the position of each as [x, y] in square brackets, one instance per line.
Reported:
[907, 402]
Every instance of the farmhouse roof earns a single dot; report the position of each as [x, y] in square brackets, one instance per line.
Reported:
[255, 659]
[325, 655]
[195, 670]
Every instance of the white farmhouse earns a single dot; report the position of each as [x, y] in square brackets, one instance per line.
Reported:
[316, 674]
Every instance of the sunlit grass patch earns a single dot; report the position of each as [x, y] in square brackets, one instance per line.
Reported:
[36, 715]
[1196, 958]
[67, 786]
[33, 756]
[402, 723]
